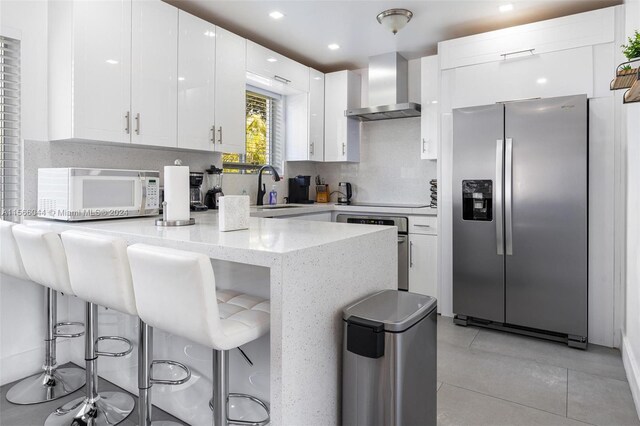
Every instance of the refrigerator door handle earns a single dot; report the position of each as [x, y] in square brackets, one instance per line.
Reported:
[508, 185]
[498, 197]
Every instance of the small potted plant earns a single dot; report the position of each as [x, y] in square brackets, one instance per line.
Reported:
[626, 75]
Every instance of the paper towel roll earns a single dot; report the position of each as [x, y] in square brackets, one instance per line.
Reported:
[176, 192]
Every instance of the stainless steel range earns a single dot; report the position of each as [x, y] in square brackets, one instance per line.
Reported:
[402, 223]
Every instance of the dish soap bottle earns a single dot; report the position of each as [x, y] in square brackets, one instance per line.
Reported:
[273, 196]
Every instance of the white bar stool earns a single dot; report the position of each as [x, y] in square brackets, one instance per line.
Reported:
[100, 274]
[176, 292]
[37, 255]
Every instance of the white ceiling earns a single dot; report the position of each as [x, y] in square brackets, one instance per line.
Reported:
[310, 25]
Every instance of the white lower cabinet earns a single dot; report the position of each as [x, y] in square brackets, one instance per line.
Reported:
[423, 264]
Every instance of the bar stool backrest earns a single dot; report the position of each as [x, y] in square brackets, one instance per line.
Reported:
[99, 270]
[43, 257]
[176, 292]
[10, 260]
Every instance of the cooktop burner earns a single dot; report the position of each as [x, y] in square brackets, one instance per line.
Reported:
[396, 205]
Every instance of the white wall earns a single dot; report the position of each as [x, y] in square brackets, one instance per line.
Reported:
[21, 303]
[631, 336]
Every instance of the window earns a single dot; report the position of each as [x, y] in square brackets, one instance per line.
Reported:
[264, 135]
[10, 144]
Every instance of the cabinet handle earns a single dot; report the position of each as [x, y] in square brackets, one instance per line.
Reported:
[213, 134]
[281, 79]
[127, 122]
[421, 226]
[343, 147]
[423, 144]
[504, 55]
[410, 254]
[137, 123]
[311, 148]
[220, 135]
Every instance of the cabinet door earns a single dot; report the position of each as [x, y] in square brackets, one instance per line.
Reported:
[196, 82]
[230, 89]
[101, 70]
[430, 118]
[272, 65]
[316, 115]
[341, 134]
[154, 87]
[423, 264]
[538, 76]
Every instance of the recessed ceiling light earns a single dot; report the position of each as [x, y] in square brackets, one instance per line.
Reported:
[272, 60]
[541, 80]
[276, 15]
[112, 61]
[434, 102]
[180, 78]
[506, 8]
[333, 46]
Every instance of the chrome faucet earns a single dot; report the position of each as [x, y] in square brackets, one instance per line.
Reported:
[261, 186]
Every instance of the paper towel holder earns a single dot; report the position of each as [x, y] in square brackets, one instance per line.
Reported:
[165, 222]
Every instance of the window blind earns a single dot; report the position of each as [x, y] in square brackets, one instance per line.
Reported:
[10, 143]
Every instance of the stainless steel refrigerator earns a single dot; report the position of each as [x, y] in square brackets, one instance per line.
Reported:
[520, 217]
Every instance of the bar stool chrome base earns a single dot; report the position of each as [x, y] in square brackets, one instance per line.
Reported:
[52, 383]
[46, 386]
[110, 408]
[252, 398]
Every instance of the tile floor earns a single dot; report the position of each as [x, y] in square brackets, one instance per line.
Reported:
[487, 377]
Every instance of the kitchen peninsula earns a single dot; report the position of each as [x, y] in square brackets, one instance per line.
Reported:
[312, 271]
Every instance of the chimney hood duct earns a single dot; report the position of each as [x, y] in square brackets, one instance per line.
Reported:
[388, 90]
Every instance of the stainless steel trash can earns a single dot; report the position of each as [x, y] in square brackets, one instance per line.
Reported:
[389, 360]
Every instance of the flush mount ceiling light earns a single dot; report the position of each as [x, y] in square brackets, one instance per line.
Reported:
[276, 15]
[333, 46]
[394, 19]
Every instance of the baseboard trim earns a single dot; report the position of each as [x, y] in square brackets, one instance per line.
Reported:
[632, 368]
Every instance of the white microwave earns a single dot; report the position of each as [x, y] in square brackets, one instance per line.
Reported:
[73, 194]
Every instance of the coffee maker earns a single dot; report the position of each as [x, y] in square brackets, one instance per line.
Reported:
[195, 193]
[299, 190]
[214, 187]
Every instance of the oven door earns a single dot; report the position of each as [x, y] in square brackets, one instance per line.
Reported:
[403, 262]
[96, 194]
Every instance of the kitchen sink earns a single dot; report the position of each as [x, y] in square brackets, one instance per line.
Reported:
[276, 207]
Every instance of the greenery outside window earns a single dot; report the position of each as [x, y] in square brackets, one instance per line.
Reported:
[264, 136]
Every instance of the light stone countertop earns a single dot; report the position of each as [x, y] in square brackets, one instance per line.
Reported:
[302, 209]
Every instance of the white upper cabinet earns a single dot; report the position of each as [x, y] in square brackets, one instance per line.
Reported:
[430, 100]
[341, 134]
[270, 64]
[230, 88]
[316, 115]
[539, 76]
[196, 82]
[305, 121]
[89, 70]
[154, 79]
[584, 29]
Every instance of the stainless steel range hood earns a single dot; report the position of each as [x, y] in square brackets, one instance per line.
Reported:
[388, 90]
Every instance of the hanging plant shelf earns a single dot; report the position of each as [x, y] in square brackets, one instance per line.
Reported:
[633, 94]
[626, 75]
